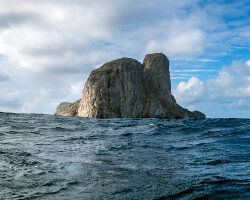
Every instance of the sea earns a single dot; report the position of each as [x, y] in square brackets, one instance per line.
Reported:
[51, 157]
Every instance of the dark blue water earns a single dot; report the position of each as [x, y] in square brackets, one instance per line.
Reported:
[47, 157]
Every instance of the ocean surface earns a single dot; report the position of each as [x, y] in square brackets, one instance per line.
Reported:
[48, 157]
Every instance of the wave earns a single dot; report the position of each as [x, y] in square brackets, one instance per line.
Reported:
[49, 157]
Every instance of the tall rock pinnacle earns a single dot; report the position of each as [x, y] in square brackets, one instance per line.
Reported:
[156, 70]
[125, 88]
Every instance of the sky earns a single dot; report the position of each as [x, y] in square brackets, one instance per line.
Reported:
[49, 47]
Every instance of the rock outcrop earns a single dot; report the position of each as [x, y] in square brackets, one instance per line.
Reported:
[125, 88]
[115, 90]
[156, 70]
[67, 109]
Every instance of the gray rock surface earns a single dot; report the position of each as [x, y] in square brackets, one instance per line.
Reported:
[125, 88]
[156, 70]
[67, 109]
[115, 90]
[160, 103]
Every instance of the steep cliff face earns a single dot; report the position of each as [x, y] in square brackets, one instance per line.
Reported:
[156, 70]
[115, 90]
[125, 88]
[160, 103]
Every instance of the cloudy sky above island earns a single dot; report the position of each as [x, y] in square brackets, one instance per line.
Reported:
[49, 47]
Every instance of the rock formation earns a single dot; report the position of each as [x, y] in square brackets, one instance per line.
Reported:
[67, 109]
[125, 88]
[115, 90]
[156, 70]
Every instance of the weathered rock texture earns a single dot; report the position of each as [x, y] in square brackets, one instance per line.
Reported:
[156, 70]
[67, 109]
[125, 88]
[115, 90]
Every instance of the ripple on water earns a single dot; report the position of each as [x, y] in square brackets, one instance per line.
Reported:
[47, 157]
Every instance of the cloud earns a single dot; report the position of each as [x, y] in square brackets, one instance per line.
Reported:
[188, 43]
[54, 34]
[10, 101]
[230, 89]
[248, 63]
[52, 45]
[77, 88]
[12, 19]
[232, 81]
[57, 35]
[190, 91]
[4, 77]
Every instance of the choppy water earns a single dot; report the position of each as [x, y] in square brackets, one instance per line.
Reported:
[47, 157]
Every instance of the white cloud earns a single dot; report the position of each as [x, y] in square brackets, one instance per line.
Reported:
[238, 103]
[223, 80]
[4, 77]
[10, 101]
[190, 91]
[45, 35]
[230, 89]
[48, 47]
[187, 43]
[248, 63]
[77, 88]
[179, 39]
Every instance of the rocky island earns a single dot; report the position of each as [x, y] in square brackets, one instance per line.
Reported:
[125, 88]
